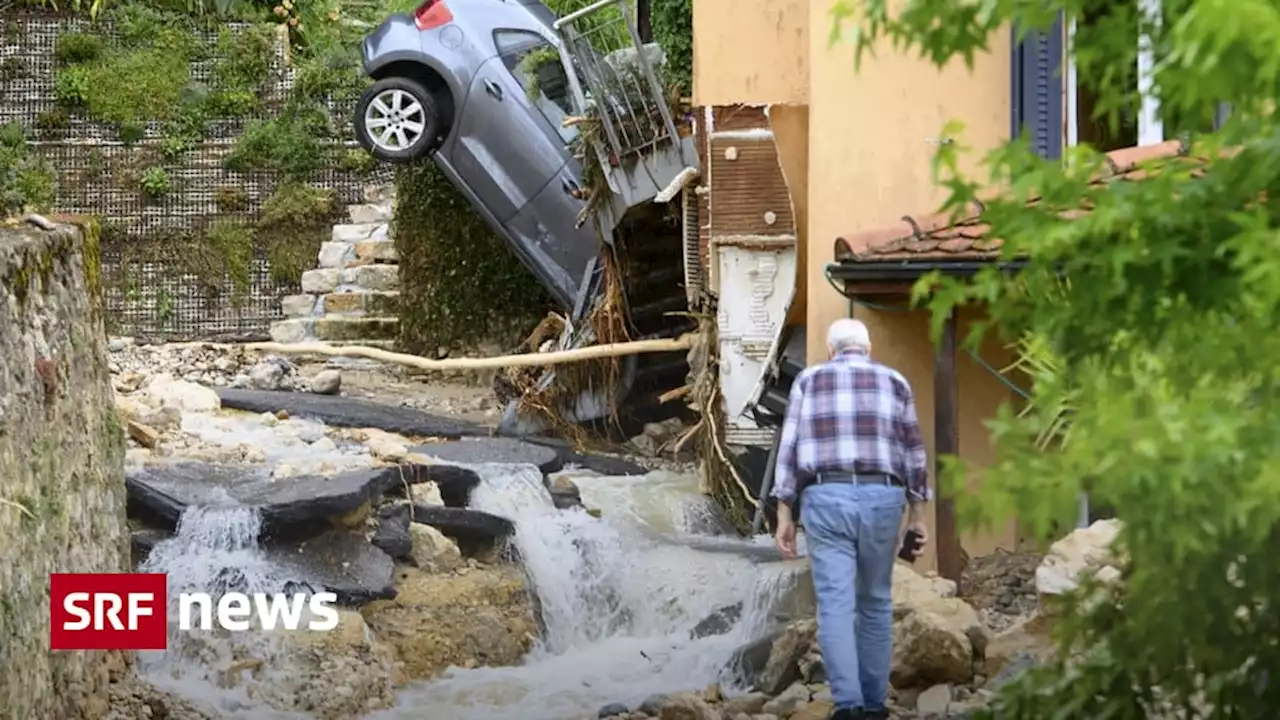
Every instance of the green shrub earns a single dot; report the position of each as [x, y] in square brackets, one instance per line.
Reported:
[459, 283]
[672, 24]
[292, 224]
[131, 131]
[155, 182]
[26, 179]
[289, 144]
[74, 48]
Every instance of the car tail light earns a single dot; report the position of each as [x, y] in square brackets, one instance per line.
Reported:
[432, 14]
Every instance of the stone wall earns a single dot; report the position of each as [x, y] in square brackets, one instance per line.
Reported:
[62, 496]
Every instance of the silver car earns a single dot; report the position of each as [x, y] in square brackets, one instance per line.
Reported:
[449, 82]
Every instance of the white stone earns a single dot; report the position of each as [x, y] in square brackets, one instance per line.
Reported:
[934, 701]
[320, 281]
[336, 254]
[266, 376]
[370, 213]
[356, 233]
[291, 331]
[166, 391]
[1084, 551]
[327, 382]
[295, 306]
[432, 550]
[378, 277]
[789, 701]
[427, 493]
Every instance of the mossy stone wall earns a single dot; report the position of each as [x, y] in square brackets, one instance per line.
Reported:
[62, 494]
[460, 284]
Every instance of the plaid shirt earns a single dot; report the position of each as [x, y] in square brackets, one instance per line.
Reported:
[851, 415]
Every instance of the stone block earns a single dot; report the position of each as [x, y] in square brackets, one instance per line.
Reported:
[370, 213]
[376, 304]
[354, 329]
[336, 254]
[320, 281]
[292, 331]
[358, 233]
[377, 251]
[378, 277]
[297, 306]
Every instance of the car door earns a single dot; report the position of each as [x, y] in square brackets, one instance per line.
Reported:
[503, 152]
[549, 220]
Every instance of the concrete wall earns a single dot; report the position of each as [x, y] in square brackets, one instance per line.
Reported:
[61, 464]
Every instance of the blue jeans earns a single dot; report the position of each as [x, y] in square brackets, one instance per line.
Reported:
[852, 535]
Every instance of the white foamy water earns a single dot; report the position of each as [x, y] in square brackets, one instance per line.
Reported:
[618, 595]
[215, 550]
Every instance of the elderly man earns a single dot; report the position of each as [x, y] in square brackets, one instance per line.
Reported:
[851, 443]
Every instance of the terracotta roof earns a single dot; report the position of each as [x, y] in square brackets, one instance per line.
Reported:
[934, 237]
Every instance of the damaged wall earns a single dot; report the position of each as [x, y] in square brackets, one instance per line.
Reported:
[62, 496]
[750, 228]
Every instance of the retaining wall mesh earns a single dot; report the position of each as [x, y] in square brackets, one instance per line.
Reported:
[97, 174]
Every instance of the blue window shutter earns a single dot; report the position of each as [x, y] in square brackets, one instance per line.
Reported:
[1037, 89]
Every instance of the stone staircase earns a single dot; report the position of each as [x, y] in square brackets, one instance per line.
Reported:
[353, 297]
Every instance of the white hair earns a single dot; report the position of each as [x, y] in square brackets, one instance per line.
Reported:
[848, 334]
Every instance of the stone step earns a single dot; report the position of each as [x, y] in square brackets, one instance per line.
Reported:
[367, 304]
[377, 251]
[371, 277]
[360, 232]
[298, 306]
[336, 254]
[335, 329]
[351, 329]
[370, 213]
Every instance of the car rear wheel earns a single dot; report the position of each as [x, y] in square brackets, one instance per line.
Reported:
[397, 120]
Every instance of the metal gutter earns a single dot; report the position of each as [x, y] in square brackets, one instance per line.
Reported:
[901, 270]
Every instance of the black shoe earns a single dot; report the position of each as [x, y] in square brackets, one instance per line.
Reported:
[881, 714]
[848, 714]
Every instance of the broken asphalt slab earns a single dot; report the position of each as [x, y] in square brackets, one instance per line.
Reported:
[166, 490]
[455, 483]
[479, 451]
[607, 465]
[348, 412]
[456, 523]
[343, 563]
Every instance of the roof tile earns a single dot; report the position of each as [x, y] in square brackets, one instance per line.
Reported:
[934, 237]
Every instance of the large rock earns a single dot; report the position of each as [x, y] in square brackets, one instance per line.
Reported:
[164, 390]
[343, 673]
[348, 412]
[477, 616]
[1085, 552]
[288, 505]
[783, 666]
[475, 451]
[937, 638]
[340, 562]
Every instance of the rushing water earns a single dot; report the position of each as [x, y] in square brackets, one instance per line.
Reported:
[618, 596]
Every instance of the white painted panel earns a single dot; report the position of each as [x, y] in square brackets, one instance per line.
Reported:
[756, 288]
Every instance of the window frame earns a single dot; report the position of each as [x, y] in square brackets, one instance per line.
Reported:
[533, 41]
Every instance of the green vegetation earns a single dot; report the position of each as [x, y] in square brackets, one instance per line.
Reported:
[289, 144]
[293, 223]
[672, 24]
[155, 182]
[26, 180]
[444, 247]
[1152, 319]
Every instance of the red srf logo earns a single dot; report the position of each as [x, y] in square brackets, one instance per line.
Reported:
[108, 611]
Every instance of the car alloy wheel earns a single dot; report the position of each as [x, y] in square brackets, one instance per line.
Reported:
[395, 121]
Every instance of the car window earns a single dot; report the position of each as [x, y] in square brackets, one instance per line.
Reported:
[536, 65]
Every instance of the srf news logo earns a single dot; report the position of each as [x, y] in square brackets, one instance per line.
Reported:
[130, 611]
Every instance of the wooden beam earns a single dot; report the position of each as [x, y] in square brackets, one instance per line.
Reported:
[946, 441]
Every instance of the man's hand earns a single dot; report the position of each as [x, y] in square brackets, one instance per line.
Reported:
[785, 536]
[915, 523]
